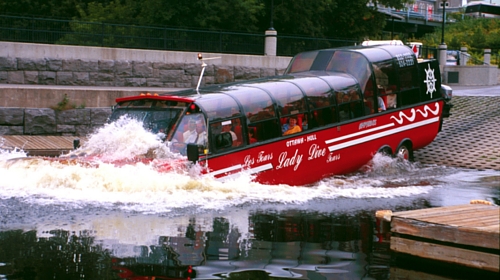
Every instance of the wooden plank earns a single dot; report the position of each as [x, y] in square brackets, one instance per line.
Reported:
[466, 209]
[39, 145]
[448, 254]
[427, 211]
[481, 219]
[397, 273]
[445, 233]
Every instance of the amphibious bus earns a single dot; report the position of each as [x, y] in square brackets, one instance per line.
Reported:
[329, 114]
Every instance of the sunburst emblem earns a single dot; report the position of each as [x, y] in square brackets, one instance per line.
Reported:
[430, 80]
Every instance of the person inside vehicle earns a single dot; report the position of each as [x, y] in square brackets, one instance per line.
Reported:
[226, 127]
[190, 135]
[291, 127]
[381, 104]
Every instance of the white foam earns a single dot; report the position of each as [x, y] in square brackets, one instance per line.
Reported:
[140, 188]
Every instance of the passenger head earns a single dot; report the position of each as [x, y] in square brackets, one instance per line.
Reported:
[191, 124]
[292, 121]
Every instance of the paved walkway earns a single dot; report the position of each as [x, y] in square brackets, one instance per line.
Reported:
[470, 137]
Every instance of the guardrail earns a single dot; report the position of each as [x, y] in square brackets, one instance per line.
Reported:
[72, 32]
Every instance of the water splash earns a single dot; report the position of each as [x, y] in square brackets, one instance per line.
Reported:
[141, 188]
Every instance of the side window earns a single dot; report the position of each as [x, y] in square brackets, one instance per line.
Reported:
[386, 84]
[191, 129]
[260, 112]
[322, 111]
[227, 134]
[350, 104]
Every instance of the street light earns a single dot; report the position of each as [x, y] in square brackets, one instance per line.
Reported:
[444, 2]
[272, 8]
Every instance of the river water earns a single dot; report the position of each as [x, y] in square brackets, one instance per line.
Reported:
[62, 221]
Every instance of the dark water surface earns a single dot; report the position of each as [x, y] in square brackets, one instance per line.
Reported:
[71, 222]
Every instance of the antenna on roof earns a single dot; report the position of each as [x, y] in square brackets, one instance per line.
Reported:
[203, 66]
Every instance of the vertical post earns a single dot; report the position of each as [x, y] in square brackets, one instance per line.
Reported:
[444, 19]
[271, 43]
[487, 56]
[442, 60]
[463, 56]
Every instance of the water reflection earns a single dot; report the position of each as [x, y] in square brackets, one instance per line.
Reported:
[294, 245]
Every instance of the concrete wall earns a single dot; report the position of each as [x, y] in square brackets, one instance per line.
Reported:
[95, 77]
[474, 75]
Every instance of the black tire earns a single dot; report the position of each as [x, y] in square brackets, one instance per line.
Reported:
[405, 152]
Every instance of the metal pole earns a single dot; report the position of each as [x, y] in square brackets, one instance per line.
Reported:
[272, 8]
[442, 33]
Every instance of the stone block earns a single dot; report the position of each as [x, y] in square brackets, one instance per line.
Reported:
[171, 75]
[153, 82]
[12, 116]
[15, 77]
[123, 68]
[135, 82]
[47, 77]
[29, 64]
[54, 64]
[102, 76]
[39, 121]
[64, 78]
[73, 117]
[8, 64]
[99, 116]
[66, 129]
[11, 130]
[246, 73]
[168, 66]
[106, 66]
[79, 65]
[267, 72]
[81, 79]
[4, 77]
[31, 77]
[224, 74]
[142, 69]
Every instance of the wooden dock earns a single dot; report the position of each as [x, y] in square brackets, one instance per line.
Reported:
[467, 235]
[39, 145]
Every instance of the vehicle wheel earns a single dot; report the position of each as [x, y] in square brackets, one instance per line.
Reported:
[386, 151]
[404, 152]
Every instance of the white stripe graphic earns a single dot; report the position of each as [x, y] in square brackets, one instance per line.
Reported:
[252, 171]
[227, 169]
[359, 133]
[239, 166]
[381, 134]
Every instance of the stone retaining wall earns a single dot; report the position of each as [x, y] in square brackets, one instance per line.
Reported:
[45, 121]
[120, 73]
[106, 70]
[42, 64]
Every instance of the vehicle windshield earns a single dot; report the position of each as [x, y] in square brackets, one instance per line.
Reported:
[156, 121]
[158, 116]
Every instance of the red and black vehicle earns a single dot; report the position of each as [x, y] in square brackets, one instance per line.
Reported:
[329, 113]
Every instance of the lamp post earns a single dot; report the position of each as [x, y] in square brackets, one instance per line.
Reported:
[444, 19]
[271, 42]
[272, 11]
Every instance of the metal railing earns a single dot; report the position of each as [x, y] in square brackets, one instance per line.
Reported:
[71, 32]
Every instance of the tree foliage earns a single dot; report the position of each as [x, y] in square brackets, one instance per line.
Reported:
[318, 18]
[474, 33]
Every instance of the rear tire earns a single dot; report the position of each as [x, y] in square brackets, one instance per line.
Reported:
[404, 152]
